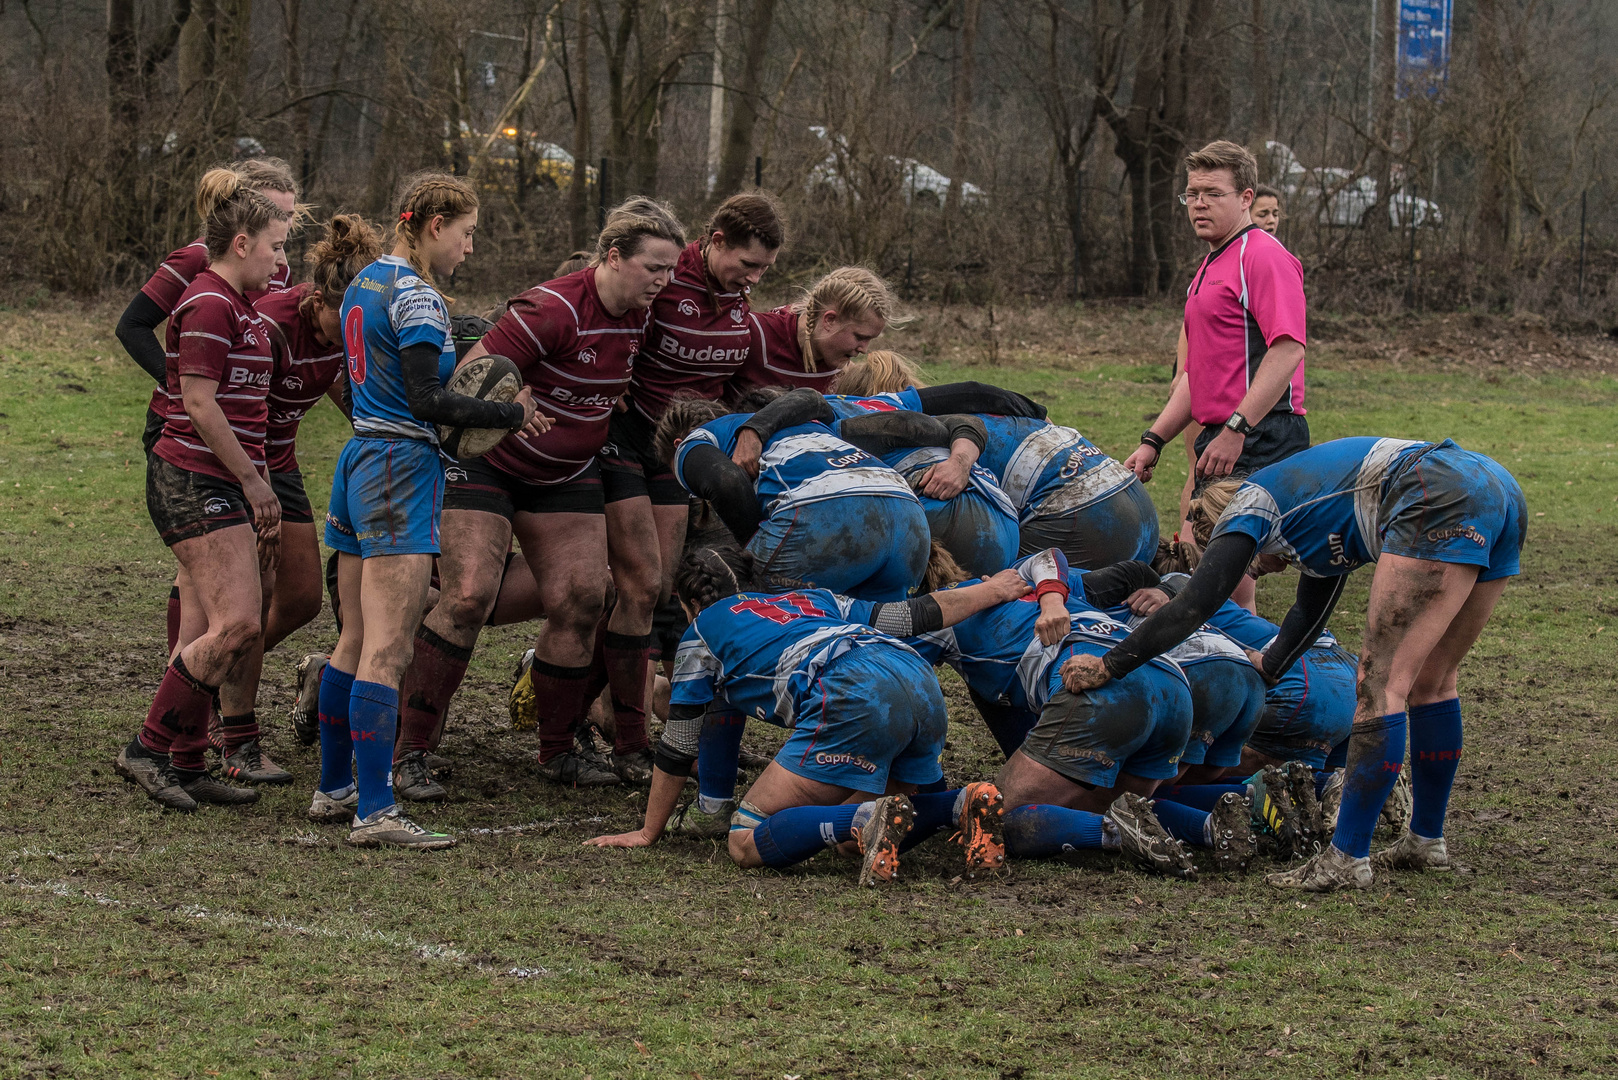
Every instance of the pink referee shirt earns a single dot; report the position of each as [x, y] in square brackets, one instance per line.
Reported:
[1246, 295]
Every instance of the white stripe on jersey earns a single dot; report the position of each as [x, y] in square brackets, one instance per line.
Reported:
[982, 479]
[1032, 456]
[736, 331]
[1368, 489]
[879, 480]
[211, 337]
[1084, 490]
[565, 303]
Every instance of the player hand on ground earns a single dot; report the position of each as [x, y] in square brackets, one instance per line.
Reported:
[748, 448]
[1143, 462]
[1219, 459]
[638, 838]
[1009, 585]
[534, 422]
[1146, 601]
[1084, 672]
[946, 479]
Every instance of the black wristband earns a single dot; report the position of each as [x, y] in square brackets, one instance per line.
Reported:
[1153, 439]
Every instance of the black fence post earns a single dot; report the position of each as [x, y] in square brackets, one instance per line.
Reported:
[758, 171]
[1584, 199]
[601, 191]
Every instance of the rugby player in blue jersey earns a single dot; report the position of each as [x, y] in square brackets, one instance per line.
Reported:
[1445, 527]
[387, 496]
[865, 711]
[1068, 493]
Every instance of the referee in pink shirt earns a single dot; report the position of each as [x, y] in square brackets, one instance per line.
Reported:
[1242, 342]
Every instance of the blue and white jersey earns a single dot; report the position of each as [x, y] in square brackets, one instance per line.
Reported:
[1320, 508]
[848, 405]
[1045, 469]
[912, 462]
[761, 654]
[998, 654]
[799, 465]
[387, 308]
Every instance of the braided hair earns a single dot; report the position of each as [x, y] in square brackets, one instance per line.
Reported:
[709, 574]
[424, 196]
[684, 415]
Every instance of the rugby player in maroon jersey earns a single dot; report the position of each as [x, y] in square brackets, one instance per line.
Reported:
[576, 340]
[208, 491]
[807, 343]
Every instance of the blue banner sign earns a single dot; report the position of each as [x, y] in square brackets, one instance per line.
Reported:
[1423, 56]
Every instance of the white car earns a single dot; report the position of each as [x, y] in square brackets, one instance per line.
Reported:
[1342, 197]
[919, 180]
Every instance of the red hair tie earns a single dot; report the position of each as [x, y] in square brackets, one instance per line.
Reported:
[405, 216]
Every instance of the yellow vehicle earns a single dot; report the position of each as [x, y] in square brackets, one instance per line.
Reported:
[547, 164]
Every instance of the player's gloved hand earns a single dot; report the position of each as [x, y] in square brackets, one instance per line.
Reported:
[638, 838]
[946, 479]
[748, 448]
[265, 506]
[1009, 585]
[534, 422]
[1053, 622]
[1219, 459]
[1146, 601]
[1143, 462]
[1084, 672]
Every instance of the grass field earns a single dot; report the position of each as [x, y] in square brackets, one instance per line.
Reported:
[137, 942]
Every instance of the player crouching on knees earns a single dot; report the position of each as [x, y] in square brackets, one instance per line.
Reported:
[1445, 528]
[1080, 766]
[867, 716]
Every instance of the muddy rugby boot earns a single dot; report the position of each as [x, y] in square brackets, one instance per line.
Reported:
[339, 806]
[634, 768]
[524, 705]
[205, 787]
[1396, 811]
[1413, 852]
[153, 774]
[441, 767]
[1331, 801]
[306, 707]
[692, 820]
[389, 828]
[573, 770]
[1327, 872]
[413, 780]
[250, 764]
[980, 835]
[1301, 790]
[1273, 812]
[1232, 843]
[880, 837]
[1144, 841]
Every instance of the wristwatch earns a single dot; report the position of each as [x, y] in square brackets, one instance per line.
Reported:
[1238, 423]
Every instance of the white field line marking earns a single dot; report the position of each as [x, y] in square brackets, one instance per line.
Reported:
[283, 925]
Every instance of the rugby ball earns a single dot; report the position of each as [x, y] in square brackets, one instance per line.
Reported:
[488, 378]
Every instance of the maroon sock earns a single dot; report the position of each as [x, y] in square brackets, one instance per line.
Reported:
[235, 731]
[435, 673]
[177, 722]
[174, 617]
[561, 694]
[627, 656]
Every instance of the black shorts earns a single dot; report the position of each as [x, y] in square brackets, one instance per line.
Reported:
[288, 487]
[1275, 438]
[185, 505]
[629, 466]
[153, 430]
[474, 484]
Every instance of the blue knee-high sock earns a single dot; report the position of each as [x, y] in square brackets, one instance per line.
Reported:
[1435, 755]
[1182, 822]
[1375, 757]
[935, 811]
[793, 835]
[941, 784]
[1039, 830]
[1203, 797]
[718, 748]
[336, 745]
[373, 716]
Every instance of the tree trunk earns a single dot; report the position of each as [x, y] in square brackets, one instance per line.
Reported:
[716, 96]
[1377, 220]
[745, 102]
[1498, 214]
[292, 71]
[214, 51]
[1263, 88]
[962, 107]
[578, 206]
[123, 107]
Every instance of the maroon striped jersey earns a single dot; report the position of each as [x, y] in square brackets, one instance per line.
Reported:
[699, 338]
[304, 371]
[170, 281]
[577, 359]
[215, 333]
[776, 358]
